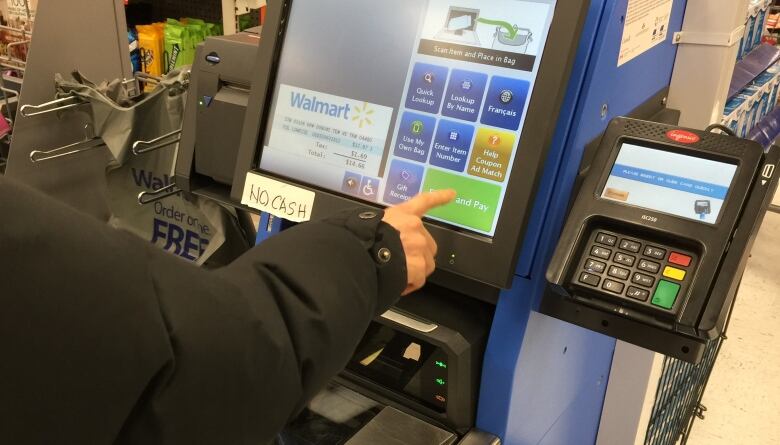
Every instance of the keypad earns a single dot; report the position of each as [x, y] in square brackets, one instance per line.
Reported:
[644, 272]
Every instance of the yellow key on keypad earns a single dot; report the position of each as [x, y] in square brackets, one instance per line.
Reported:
[674, 273]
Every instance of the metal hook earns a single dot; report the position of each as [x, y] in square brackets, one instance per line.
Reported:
[45, 107]
[156, 144]
[90, 142]
[145, 198]
[67, 150]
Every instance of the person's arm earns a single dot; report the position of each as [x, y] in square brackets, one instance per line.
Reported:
[109, 337]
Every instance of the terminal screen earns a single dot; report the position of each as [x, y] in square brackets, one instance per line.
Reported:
[382, 100]
[686, 186]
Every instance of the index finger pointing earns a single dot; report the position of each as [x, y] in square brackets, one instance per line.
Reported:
[421, 204]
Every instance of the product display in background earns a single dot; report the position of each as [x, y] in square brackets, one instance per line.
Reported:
[13, 16]
[755, 26]
[750, 105]
[13, 13]
[167, 46]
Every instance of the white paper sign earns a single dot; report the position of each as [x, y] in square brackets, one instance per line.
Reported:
[278, 198]
[647, 25]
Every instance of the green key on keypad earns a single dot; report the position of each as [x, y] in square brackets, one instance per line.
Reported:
[666, 294]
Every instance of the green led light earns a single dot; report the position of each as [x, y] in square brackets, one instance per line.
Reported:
[441, 364]
[441, 382]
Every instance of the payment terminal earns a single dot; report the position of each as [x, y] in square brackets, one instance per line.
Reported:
[657, 239]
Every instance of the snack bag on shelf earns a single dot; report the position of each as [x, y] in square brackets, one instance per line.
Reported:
[135, 53]
[151, 40]
[178, 45]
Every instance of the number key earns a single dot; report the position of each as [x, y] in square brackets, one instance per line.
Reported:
[607, 240]
[595, 266]
[643, 280]
[613, 286]
[649, 266]
[630, 246]
[619, 273]
[655, 252]
[626, 260]
[600, 252]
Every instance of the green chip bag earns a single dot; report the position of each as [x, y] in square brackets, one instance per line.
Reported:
[179, 48]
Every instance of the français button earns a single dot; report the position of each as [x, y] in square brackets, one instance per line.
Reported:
[637, 293]
[674, 273]
[626, 260]
[590, 279]
[601, 252]
[655, 252]
[643, 280]
[649, 266]
[607, 240]
[595, 266]
[613, 286]
[630, 246]
[666, 294]
[680, 259]
[505, 102]
[619, 273]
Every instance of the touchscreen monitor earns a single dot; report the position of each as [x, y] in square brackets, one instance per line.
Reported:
[399, 97]
[687, 186]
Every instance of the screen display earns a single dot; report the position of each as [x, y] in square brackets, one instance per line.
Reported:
[382, 100]
[686, 186]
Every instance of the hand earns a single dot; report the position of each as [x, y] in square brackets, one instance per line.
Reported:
[419, 246]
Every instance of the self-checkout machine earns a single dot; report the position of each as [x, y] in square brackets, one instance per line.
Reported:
[358, 103]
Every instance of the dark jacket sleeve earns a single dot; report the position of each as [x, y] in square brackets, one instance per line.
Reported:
[107, 340]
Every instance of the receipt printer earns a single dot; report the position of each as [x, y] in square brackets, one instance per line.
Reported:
[214, 117]
[657, 239]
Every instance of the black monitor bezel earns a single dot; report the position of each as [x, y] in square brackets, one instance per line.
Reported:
[490, 261]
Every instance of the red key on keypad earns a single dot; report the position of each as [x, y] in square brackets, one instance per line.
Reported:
[680, 259]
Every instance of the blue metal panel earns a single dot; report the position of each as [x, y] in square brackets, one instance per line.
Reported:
[531, 391]
[268, 227]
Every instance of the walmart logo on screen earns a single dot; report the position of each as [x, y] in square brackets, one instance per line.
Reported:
[361, 115]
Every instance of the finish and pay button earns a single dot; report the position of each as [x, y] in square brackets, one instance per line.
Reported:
[476, 204]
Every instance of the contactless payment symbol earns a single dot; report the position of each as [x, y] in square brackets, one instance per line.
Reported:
[417, 128]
